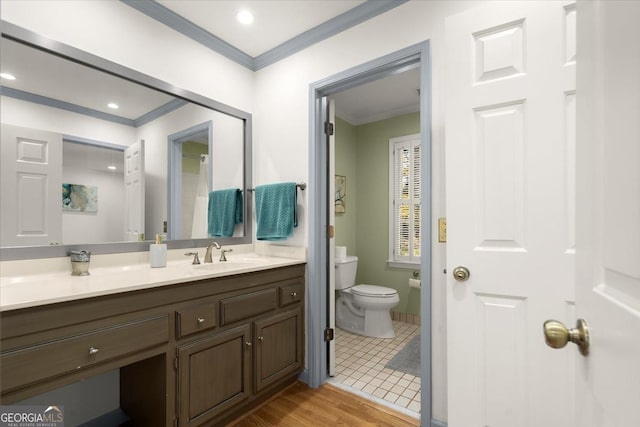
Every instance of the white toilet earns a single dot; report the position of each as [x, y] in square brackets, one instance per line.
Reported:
[362, 309]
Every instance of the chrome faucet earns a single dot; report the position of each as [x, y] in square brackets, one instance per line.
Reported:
[207, 256]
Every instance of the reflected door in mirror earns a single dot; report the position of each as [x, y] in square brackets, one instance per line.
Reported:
[134, 192]
[30, 192]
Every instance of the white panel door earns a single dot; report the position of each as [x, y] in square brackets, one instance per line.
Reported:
[510, 131]
[134, 192]
[608, 214]
[31, 187]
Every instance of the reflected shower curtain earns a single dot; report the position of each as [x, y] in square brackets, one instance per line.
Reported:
[199, 227]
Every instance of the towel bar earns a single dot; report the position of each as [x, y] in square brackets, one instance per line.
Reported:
[300, 185]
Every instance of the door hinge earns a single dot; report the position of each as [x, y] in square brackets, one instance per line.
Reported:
[331, 231]
[328, 334]
[175, 363]
[328, 128]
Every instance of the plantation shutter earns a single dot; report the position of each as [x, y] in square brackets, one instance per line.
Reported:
[406, 200]
[415, 164]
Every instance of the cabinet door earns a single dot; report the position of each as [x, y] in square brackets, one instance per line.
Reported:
[278, 347]
[214, 375]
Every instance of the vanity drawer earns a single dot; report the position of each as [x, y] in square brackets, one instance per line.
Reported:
[37, 363]
[290, 294]
[247, 305]
[194, 319]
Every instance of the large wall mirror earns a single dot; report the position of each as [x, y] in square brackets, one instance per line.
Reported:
[101, 157]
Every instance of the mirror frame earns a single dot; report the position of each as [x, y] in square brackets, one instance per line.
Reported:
[29, 38]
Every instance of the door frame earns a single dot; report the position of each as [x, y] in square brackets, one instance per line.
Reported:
[317, 267]
[174, 174]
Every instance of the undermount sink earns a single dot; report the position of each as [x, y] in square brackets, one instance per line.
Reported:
[232, 263]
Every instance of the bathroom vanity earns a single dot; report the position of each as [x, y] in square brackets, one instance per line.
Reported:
[193, 346]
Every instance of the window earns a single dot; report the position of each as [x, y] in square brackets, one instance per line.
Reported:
[404, 201]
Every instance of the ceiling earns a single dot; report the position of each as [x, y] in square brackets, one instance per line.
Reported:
[278, 21]
[275, 23]
[381, 99]
[93, 157]
[41, 73]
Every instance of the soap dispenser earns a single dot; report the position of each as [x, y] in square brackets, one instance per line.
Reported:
[158, 253]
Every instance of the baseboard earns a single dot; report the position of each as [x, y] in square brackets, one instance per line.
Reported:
[304, 376]
[436, 423]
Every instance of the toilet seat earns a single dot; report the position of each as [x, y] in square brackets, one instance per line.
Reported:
[373, 291]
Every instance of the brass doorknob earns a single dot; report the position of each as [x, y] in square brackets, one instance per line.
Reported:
[461, 274]
[556, 335]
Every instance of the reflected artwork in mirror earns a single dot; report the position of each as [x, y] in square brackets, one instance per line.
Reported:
[71, 117]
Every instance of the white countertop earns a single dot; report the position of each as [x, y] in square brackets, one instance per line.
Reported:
[30, 290]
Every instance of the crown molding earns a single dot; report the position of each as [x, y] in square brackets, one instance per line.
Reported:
[176, 22]
[68, 106]
[336, 25]
[93, 142]
[170, 106]
[160, 111]
[342, 22]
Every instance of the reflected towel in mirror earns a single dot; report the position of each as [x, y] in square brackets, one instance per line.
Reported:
[276, 210]
[225, 211]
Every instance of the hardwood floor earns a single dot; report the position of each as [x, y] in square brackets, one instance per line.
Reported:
[300, 406]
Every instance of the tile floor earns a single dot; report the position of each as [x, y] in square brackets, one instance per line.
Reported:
[360, 365]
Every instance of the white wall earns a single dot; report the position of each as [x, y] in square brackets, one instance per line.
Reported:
[106, 225]
[281, 140]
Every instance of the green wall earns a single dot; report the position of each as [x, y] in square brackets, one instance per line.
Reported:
[346, 165]
[192, 151]
[370, 166]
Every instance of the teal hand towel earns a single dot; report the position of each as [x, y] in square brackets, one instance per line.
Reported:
[276, 210]
[225, 211]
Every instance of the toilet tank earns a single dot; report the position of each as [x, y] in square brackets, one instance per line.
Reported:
[346, 272]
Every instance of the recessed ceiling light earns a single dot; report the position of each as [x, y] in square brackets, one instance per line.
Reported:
[245, 17]
[111, 168]
[113, 105]
[7, 76]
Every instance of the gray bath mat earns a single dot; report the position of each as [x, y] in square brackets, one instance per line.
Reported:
[407, 360]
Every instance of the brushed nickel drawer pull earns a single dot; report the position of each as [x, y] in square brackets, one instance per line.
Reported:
[260, 338]
[294, 294]
[93, 350]
[200, 319]
[247, 343]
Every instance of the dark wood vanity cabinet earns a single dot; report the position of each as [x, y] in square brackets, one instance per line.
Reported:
[190, 354]
[214, 375]
[278, 347]
[259, 345]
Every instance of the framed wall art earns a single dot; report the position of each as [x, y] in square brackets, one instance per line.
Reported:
[79, 198]
[341, 194]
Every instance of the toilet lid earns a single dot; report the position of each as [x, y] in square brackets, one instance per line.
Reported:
[372, 291]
